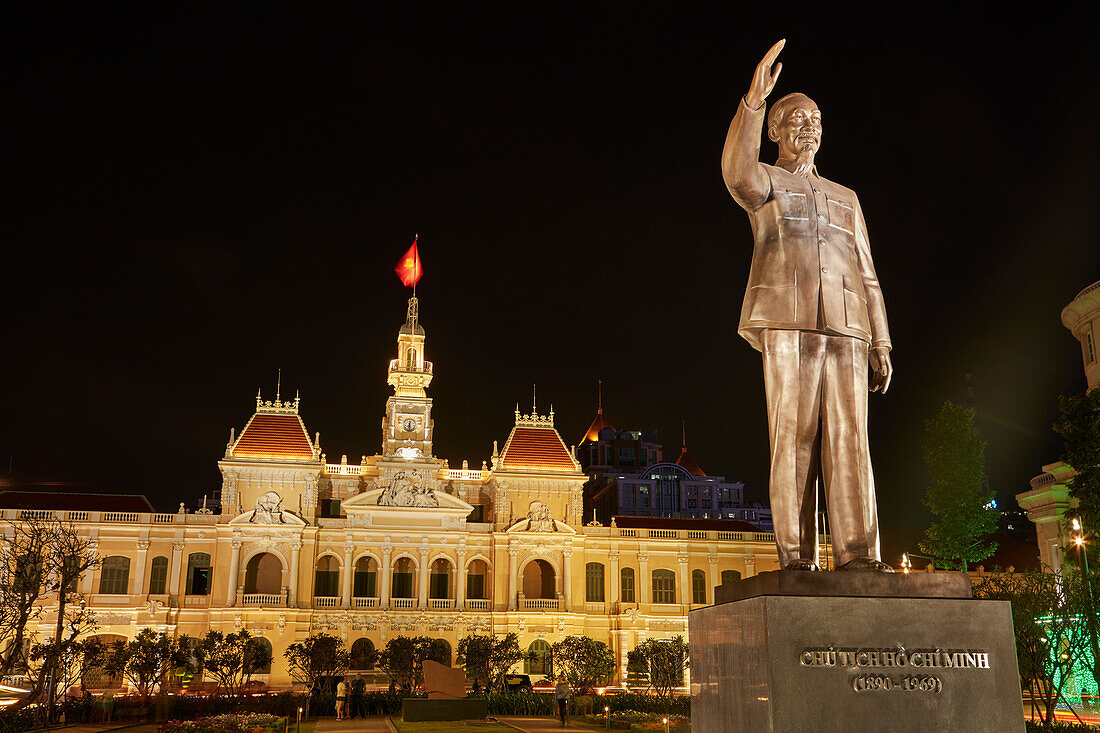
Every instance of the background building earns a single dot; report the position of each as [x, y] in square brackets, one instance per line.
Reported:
[401, 543]
[1048, 501]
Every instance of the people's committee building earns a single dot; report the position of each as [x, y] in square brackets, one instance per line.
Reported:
[401, 543]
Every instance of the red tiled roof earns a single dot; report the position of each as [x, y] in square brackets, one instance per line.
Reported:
[593, 432]
[724, 525]
[536, 449]
[274, 436]
[686, 462]
[74, 502]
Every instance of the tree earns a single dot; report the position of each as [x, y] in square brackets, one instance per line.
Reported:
[403, 660]
[1079, 427]
[662, 662]
[961, 503]
[318, 657]
[488, 658]
[1051, 640]
[147, 659]
[584, 662]
[40, 564]
[233, 658]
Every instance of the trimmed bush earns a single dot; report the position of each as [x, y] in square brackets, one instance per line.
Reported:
[249, 723]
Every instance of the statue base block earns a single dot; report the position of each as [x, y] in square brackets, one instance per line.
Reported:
[853, 651]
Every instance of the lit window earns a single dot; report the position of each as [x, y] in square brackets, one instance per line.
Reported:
[664, 586]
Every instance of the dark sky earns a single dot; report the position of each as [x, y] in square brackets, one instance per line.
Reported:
[198, 201]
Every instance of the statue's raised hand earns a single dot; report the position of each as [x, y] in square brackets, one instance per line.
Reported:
[763, 81]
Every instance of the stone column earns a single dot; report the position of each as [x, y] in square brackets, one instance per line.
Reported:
[422, 591]
[644, 581]
[292, 582]
[567, 577]
[234, 571]
[87, 583]
[137, 583]
[513, 553]
[345, 595]
[686, 590]
[615, 580]
[387, 575]
[460, 579]
[175, 570]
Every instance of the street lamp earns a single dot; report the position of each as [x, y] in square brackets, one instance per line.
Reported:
[905, 564]
[299, 728]
[1083, 556]
[607, 716]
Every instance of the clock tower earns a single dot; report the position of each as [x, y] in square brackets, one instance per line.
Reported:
[408, 425]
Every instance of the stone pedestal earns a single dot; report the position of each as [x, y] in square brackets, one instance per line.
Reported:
[799, 651]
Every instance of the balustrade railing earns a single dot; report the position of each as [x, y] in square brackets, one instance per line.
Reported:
[77, 516]
[263, 599]
[663, 533]
[477, 604]
[403, 602]
[426, 367]
[326, 601]
[763, 537]
[695, 534]
[120, 516]
[364, 602]
[441, 603]
[36, 514]
[730, 535]
[459, 474]
[164, 518]
[541, 604]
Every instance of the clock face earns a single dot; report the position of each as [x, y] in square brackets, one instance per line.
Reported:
[408, 425]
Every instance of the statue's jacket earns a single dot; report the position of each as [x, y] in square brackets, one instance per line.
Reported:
[811, 262]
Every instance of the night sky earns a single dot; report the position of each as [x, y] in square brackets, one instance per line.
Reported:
[199, 201]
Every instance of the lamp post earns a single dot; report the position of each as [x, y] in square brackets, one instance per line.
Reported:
[298, 729]
[1083, 556]
[607, 716]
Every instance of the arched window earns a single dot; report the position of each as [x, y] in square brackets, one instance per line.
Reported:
[263, 574]
[476, 583]
[440, 651]
[363, 655]
[114, 576]
[698, 586]
[158, 576]
[327, 582]
[626, 576]
[439, 581]
[365, 583]
[403, 578]
[728, 576]
[198, 574]
[410, 357]
[593, 582]
[539, 659]
[664, 586]
[261, 648]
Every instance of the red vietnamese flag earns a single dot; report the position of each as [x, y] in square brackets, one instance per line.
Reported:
[409, 269]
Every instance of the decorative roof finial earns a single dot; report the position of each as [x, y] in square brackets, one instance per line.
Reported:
[534, 411]
[278, 385]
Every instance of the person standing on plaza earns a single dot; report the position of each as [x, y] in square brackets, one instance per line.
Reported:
[356, 701]
[561, 696]
[341, 699]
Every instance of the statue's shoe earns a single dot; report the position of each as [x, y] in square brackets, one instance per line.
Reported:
[802, 565]
[866, 564]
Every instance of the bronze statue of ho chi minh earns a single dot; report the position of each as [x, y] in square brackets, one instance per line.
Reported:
[814, 309]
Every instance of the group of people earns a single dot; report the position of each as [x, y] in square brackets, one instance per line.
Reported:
[350, 706]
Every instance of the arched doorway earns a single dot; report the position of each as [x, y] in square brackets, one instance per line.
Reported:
[97, 678]
[362, 655]
[403, 578]
[327, 578]
[263, 574]
[439, 581]
[477, 583]
[538, 661]
[538, 580]
[365, 580]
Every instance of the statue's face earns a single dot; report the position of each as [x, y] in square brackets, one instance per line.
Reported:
[800, 130]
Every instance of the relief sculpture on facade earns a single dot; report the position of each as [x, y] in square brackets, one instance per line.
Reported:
[407, 490]
[269, 509]
[539, 518]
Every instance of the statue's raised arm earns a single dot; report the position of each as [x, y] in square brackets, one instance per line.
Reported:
[747, 183]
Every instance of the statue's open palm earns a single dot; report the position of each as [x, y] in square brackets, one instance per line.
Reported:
[763, 81]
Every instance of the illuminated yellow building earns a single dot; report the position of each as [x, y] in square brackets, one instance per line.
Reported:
[404, 544]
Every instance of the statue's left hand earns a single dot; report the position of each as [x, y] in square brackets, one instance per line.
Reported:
[883, 369]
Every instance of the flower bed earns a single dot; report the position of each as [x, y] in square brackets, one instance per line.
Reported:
[248, 723]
